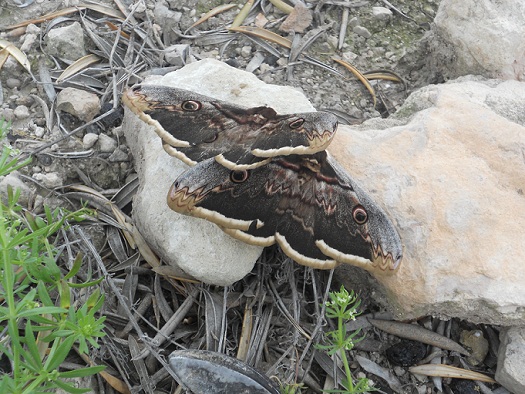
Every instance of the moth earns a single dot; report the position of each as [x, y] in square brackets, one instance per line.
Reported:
[307, 204]
[194, 128]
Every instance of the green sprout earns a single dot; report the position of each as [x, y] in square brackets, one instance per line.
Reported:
[343, 306]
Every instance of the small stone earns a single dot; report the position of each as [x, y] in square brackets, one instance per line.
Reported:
[299, 19]
[246, 51]
[118, 156]
[13, 180]
[178, 55]
[28, 101]
[282, 62]
[50, 180]
[261, 20]
[29, 40]
[66, 42]
[353, 22]
[381, 13]
[89, 140]
[32, 29]
[12, 83]
[8, 114]
[362, 31]
[39, 131]
[478, 345]
[82, 104]
[106, 143]
[21, 112]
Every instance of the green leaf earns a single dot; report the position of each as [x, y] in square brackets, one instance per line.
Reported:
[80, 373]
[30, 342]
[41, 311]
[59, 352]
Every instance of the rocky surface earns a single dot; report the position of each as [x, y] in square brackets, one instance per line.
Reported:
[480, 37]
[448, 167]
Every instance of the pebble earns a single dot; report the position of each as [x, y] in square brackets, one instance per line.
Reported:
[89, 140]
[381, 13]
[32, 29]
[8, 114]
[29, 40]
[362, 31]
[66, 42]
[39, 131]
[178, 55]
[15, 182]
[84, 105]
[25, 100]
[118, 155]
[246, 51]
[106, 143]
[353, 22]
[282, 62]
[477, 343]
[12, 83]
[21, 112]
[50, 180]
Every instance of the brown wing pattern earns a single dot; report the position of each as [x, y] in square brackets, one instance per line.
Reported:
[194, 127]
[306, 203]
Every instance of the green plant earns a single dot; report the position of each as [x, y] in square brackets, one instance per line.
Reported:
[343, 307]
[40, 322]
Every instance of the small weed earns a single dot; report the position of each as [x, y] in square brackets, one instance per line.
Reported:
[343, 307]
[40, 322]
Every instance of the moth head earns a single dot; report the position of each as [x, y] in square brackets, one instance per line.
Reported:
[381, 234]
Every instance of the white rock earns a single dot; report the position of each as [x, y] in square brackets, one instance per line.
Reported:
[13, 180]
[196, 246]
[486, 37]
[39, 131]
[89, 140]
[449, 169]
[511, 359]
[50, 180]
[66, 42]
[381, 13]
[106, 143]
[77, 102]
[21, 112]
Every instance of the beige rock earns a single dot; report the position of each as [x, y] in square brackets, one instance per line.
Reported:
[84, 105]
[449, 167]
[298, 21]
